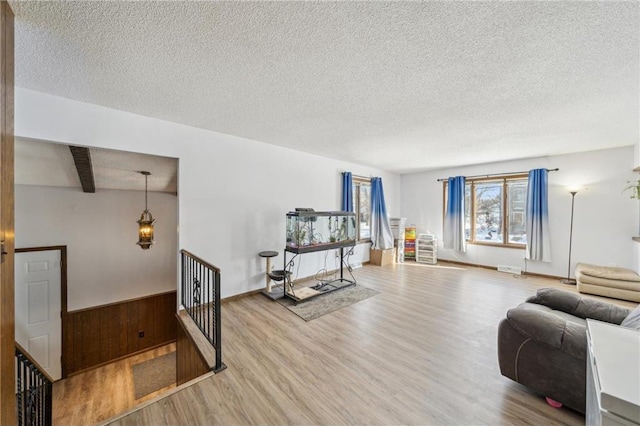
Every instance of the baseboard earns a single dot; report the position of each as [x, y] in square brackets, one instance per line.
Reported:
[240, 296]
[493, 268]
[455, 262]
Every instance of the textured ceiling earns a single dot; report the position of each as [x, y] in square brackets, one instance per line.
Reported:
[402, 86]
[50, 164]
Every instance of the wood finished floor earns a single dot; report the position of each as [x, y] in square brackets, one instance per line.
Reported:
[96, 395]
[421, 352]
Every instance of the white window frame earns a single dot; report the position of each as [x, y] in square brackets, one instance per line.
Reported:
[357, 183]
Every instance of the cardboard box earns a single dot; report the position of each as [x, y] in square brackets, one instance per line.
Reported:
[382, 257]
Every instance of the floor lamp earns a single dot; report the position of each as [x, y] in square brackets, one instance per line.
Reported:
[568, 280]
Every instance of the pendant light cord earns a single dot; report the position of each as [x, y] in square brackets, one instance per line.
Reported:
[146, 208]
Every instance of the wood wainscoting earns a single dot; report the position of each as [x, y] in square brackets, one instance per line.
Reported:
[190, 361]
[102, 334]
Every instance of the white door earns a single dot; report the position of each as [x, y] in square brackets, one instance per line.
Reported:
[38, 308]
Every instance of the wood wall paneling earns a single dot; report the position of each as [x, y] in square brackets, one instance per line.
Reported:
[118, 343]
[102, 334]
[67, 343]
[105, 334]
[165, 325]
[132, 326]
[7, 228]
[145, 324]
[92, 331]
[189, 362]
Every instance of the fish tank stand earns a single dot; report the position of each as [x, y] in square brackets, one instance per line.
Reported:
[300, 293]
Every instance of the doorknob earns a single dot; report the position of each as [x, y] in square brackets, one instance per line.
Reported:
[2, 251]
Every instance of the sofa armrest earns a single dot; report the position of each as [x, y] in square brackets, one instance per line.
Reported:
[582, 307]
[550, 330]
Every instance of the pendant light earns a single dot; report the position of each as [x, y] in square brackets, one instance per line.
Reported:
[145, 224]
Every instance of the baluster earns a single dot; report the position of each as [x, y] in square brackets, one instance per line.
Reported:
[20, 386]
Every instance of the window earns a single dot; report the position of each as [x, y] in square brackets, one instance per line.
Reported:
[517, 196]
[488, 212]
[495, 210]
[362, 206]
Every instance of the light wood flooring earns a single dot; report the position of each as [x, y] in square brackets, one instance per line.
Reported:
[423, 351]
[96, 395]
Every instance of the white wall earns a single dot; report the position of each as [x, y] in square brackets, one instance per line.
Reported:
[100, 231]
[605, 218]
[233, 192]
[636, 246]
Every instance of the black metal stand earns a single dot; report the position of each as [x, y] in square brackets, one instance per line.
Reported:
[322, 287]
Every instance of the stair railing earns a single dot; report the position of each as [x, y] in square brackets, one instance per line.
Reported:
[34, 391]
[201, 299]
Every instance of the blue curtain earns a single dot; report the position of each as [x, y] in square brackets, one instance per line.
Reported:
[454, 237]
[381, 236]
[537, 213]
[347, 192]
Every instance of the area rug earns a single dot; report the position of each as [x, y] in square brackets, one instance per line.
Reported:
[327, 303]
[154, 374]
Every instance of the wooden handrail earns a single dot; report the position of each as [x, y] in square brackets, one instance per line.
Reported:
[204, 262]
[34, 362]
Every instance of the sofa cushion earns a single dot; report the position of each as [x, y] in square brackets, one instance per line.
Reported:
[607, 272]
[601, 311]
[607, 282]
[633, 319]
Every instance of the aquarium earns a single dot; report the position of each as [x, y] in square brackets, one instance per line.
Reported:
[308, 230]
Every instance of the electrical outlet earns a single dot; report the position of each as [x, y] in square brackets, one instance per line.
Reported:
[141, 333]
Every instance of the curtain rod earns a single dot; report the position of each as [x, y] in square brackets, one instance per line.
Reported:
[360, 177]
[497, 174]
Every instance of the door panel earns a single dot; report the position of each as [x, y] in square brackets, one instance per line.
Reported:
[38, 303]
[38, 308]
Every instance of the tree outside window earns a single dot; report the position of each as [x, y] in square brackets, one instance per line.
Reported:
[488, 212]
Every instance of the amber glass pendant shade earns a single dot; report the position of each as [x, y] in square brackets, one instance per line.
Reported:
[145, 224]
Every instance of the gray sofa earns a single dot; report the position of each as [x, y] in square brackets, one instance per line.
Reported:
[542, 343]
